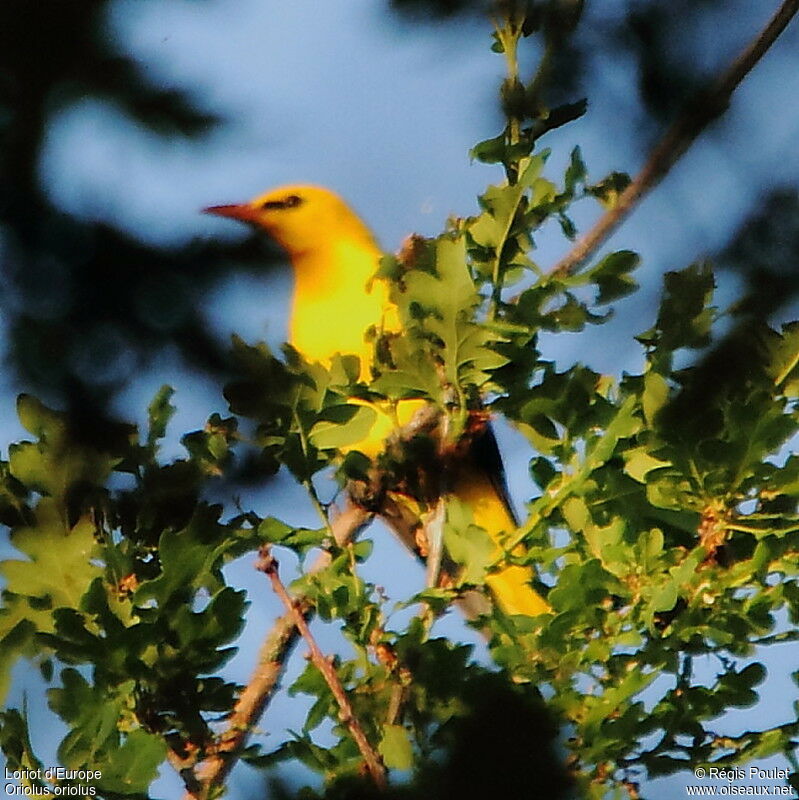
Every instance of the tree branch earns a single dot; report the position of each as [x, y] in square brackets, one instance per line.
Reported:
[272, 658]
[677, 139]
[374, 763]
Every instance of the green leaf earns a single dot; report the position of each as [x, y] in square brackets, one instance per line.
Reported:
[655, 396]
[606, 542]
[300, 539]
[542, 471]
[190, 560]
[614, 697]
[623, 425]
[685, 315]
[576, 514]
[612, 276]
[59, 567]
[134, 765]
[466, 543]
[159, 412]
[211, 449]
[440, 308]
[501, 204]
[344, 370]
[638, 463]
[610, 189]
[490, 151]
[395, 747]
[92, 716]
[16, 744]
[52, 470]
[16, 639]
[129, 763]
[664, 598]
[582, 586]
[780, 353]
[342, 426]
[576, 172]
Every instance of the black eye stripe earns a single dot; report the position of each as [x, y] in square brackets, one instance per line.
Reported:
[291, 201]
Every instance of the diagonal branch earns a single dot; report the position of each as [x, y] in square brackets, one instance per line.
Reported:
[677, 139]
[260, 689]
[374, 764]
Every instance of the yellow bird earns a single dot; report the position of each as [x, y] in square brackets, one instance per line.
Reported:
[334, 257]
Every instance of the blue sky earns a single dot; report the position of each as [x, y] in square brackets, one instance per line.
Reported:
[345, 94]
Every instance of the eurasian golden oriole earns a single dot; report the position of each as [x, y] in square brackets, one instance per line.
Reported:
[335, 301]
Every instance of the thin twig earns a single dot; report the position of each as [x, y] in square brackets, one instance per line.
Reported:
[272, 658]
[677, 139]
[374, 764]
[185, 768]
[434, 531]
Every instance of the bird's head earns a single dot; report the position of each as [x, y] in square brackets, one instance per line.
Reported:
[301, 219]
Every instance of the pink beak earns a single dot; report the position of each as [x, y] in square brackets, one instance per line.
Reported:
[242, 212]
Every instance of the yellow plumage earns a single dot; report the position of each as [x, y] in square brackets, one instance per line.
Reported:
[334, 257]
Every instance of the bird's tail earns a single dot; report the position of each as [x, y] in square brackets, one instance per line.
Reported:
[480, 484]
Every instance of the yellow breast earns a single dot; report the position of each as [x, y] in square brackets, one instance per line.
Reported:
[336, 301]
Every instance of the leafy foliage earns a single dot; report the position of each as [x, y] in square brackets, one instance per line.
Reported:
[151, 615]
[663, 535]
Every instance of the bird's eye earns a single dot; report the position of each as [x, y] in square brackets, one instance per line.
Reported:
[290, 201]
